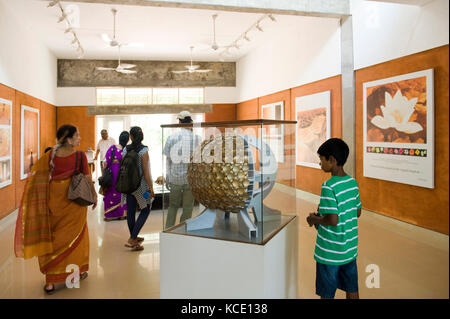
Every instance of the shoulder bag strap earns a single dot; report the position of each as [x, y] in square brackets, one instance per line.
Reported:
[81, 162]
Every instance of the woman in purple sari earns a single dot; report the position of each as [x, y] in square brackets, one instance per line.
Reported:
[112, 198]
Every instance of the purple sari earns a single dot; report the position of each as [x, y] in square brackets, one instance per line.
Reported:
[111, 197]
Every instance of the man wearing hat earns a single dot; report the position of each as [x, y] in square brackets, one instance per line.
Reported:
[178, 150]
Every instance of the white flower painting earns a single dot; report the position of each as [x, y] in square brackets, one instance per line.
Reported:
[398, 129]
[396, 114]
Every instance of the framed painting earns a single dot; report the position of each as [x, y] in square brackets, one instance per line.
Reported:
[274, 134]
[29, 139]
[398, 129]
[5, 142]
[312, 113]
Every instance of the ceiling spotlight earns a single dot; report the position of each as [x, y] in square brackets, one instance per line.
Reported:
[272, 18]
[259, 28]
[52, 3]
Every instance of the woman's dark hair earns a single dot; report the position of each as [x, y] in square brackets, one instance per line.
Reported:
[47, 149]
[334, 147]
[124, 137]
[137, 136]
[64, 132]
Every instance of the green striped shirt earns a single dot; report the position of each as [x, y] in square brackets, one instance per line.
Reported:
[338, 245]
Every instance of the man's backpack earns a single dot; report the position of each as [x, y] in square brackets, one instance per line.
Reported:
[129, 177]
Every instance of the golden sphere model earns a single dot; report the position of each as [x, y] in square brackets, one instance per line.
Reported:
[222, 183]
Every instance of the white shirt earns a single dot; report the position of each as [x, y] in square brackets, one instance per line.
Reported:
[182, 145]
[104, 145]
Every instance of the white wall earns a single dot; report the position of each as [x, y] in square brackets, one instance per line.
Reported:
[220, 95]
[85, 96]
[25, 63]
[75, 96]
[385, 31]
[301, 50]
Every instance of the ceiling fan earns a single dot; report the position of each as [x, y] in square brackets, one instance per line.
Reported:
[114, 42]
[121, 67]
[214, 44]
[192, 68]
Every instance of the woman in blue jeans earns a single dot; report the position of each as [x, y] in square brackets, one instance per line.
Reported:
[137, 200]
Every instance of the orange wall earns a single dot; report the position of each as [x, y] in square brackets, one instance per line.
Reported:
[221, 112]
[77, 115]
[11, 195]
[283, 168]
[8, 193]
[425, 207]
[310, 179]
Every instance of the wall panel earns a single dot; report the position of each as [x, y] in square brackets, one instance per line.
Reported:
[11, 195]
[221, 112]
[425, 207]
[8, 193]
[28, 100]
[310, 179]
[77, 115]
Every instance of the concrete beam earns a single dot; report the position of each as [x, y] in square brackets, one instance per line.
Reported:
[83, 73]
[348, 92]
[148, 109]
[318, 8]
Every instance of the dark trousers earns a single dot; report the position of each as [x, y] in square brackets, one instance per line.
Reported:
[135, 225]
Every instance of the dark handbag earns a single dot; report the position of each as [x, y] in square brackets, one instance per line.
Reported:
[80, 188]
[106, 180]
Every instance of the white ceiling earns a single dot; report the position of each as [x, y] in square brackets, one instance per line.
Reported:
[166, 33]
[408, 2]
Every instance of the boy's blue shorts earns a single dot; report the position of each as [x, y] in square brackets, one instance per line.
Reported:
[332, 277]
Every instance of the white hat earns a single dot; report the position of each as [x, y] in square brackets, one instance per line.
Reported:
[183, 114]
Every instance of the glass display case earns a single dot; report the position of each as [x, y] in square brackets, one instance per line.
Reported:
[229, 180]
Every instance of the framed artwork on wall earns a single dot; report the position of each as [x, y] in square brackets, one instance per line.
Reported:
[398, 129]
[5, 142]
[274, 135]
[29, 139]
[312, 113]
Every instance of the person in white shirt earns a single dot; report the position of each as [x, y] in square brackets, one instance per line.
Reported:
[102, 147]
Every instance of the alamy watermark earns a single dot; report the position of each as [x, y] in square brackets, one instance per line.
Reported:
[373, 279]
[73, 280]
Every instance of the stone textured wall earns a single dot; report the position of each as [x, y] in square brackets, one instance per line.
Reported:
[83, 73]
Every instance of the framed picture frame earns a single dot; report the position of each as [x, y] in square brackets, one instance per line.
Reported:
[274, 134]
[313, 116]
[29, 139]
[398, 129]
[5, 142]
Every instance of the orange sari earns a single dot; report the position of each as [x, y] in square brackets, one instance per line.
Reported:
[50, 226]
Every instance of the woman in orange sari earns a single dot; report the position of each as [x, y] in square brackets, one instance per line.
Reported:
[49, 225]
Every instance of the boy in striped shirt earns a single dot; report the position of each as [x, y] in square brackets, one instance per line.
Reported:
[337, 225]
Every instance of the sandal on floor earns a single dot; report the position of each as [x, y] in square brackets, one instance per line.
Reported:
[138, 241]
[137, 248]
[49, 291]
[83, 275]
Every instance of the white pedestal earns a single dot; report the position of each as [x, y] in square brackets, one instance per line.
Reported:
[197, 267]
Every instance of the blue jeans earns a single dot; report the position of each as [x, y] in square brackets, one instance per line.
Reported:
[332, 277]
[134, 225]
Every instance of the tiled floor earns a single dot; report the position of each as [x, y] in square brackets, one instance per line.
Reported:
[413, 262]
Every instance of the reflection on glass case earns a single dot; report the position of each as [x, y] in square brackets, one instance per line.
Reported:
[227, 180]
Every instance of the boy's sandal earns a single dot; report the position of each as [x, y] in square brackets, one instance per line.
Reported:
[140, 239]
